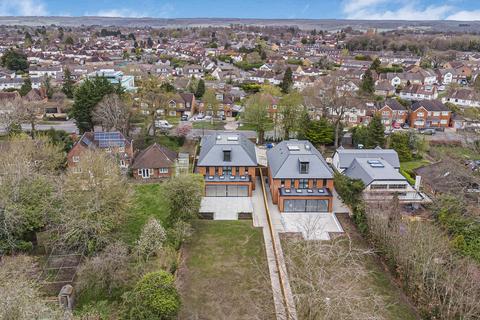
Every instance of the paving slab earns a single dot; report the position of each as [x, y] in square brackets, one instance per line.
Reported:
[226, 208]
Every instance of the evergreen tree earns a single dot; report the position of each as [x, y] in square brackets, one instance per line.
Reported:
[320, 132]
[68, 84]
[376, 133]
[400, 142]
[47, 85]
[476, 84]
[86, 97]
[69, 41]
[200, 89]
[287, 82]
[376, 65]
[26, 87]
[368, 85]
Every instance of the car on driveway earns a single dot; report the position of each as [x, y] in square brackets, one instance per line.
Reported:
[427, 131]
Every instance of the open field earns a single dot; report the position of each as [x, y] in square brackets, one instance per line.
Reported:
[225, 273]
[340, 279]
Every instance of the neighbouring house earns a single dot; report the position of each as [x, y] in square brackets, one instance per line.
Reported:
[393, 113]
[428, 114]
[228, 162]
[155, 162]
[384, 88]
[379, 171]
[181, 104]
[115, 77]
[299, 178]
[418, 92]
[463, 97]
[114, 143]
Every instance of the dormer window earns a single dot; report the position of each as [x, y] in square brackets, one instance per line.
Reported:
[304, 167]
[227, 155]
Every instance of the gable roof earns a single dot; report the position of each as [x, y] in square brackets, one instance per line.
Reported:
[212, 147]
[283, 161]
[363, 170]
[394, 105]
[347, 156]
[430, 105]
[155, 156]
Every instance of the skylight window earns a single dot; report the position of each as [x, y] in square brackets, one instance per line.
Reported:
[293, 148]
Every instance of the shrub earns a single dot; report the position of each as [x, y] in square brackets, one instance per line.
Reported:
[151, 240]
[184, 194]
[154, 297]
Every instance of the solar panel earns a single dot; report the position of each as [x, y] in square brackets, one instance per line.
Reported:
[87, 141]
[109, 139]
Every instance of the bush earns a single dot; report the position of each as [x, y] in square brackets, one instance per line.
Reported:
[154, 297]
[184, 194]
[151, 240]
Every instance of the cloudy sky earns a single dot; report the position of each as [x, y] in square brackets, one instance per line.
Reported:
[311, 9]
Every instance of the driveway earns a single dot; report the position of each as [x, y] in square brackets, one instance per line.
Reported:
[226, 208]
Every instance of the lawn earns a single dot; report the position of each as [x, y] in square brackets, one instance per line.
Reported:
[250, 126]
[148, 201]
[225, 274]
[412, 165]
[355, 288]
[207, 125]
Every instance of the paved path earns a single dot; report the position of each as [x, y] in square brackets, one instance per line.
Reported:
[260, 220]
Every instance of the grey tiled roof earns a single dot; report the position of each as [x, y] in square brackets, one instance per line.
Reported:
[212, 146]
[346, 156]
[284, 163]
[361, 169]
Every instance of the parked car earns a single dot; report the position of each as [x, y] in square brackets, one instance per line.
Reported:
[184, 118]
[427, 131]
[163, 124]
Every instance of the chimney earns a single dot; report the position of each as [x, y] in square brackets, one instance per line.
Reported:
[418, 179]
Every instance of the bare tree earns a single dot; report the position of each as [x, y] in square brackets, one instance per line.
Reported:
[113, 114]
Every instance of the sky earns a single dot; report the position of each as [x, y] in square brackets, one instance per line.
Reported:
[274, 9]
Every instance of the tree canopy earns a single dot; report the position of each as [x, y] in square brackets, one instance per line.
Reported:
[14, 60]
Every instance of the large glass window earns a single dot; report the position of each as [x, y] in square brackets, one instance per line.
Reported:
[305, 205]
[303, 183]
[227, 171]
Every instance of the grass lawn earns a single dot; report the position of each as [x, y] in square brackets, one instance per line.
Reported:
[412, 165]
[173, 120]
[225, 273]
[207, 125]
[375, 282]
[148, 201]
[249, 126]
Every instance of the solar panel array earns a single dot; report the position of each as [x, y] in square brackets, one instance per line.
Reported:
[109, 139]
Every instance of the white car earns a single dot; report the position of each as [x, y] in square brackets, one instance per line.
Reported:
[163, 124]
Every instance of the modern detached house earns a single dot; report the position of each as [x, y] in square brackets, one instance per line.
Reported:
[299, 178]
[228, 163]
[155, 162]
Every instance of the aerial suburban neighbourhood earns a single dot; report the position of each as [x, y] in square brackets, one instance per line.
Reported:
[305, 161]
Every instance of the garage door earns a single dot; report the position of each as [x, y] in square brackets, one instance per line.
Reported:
[223, 190]
[305, 205]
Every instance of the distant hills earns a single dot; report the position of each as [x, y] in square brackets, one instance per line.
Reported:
[323, 24]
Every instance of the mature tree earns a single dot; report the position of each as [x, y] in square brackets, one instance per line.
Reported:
[26, 189]
[210, 101]
[153, 297]
[376, 133]
[320, 132]
[256, 114]
[69, 41]
[287, 82]
[154, 98]
[184, 194]
[200, 89]
[105, 272]
[368, 85]
[113, 114]
[476, 84]
[94, 202]
[20, 295]
[400, 142]
[360, 135]
[47, 86]
[68, 83]
[376, 64]
[274, 91]
[290, 111]
[14, 60]
[26, 87]
[28, 40]
[86, 97]
[151, 239]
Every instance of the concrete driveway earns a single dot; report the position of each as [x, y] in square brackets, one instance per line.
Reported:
[226, 208]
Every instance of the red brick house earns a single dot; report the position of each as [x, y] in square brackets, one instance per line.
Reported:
[429, 114]
[391, 112]
[114, 143]
[155, 162]
[182, 103]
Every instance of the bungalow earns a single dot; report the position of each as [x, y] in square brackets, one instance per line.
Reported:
[155, 162]
[299, 178]
[463, 97]
[228, 162]
[343, 158]
[427, 114]
[113, 143]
